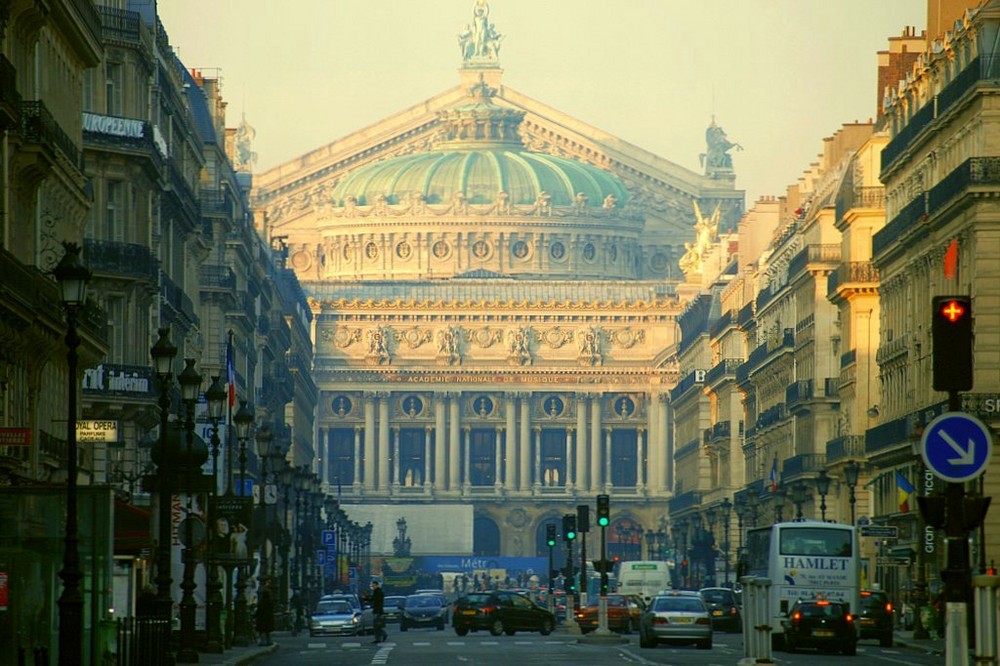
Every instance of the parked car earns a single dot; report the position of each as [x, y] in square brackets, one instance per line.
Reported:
[723, 607]
[821, 624]
[676, 617]
[501, 613]
[875, 617]
[423, 610]
[393, 607]
[623, 614]
[335, 617]
[440, 595]
[364, 610]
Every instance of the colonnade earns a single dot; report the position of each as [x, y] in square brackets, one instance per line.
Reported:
[587, 454]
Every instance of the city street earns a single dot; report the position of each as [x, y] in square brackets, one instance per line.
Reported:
[436, 648]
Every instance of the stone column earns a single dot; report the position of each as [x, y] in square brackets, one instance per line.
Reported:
[454, 442]
[595, 444]
[581, 443]
[428, 431]
[370, 460]
[396, 480]
[653, 453]
[498, 460]
[466, 444]
[357, 459]
[524, 443]
[639, 467]
[607, 460]
[322, 454]
[538, 458]
[510, 443]
[667, 464]
[567, 456]
[383, 441]
[440, 444]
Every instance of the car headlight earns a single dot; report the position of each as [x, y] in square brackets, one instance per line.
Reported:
[355, 619]
[314, 623]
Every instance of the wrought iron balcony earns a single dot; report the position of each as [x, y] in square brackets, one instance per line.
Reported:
[846, 446]
[727, 367]
[799, 391]
[684, 501]
[848, 358]
[217, 277]
[852, 272]
[121, 259]
[803, 463]
[850, 198]
[815, 253]
[10, 99]
[38, 126]
[722, 430]
[694, 378]
[174, 296]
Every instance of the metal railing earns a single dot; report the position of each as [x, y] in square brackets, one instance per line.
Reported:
[143, 641]
[811, 254]
[802, 463]
[132, 259]
[726, 367]
[845, 446]
[850, 198]
[39, 126]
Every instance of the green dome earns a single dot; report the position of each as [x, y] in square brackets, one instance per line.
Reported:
[480, 174]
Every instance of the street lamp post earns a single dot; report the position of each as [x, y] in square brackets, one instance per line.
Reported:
[73, 277]
[822, 487]
[780, 498]
[190, 382]
[215, 396]
[244, 421]
[798, 498]
[725, 508]
[265, 439]
[851, 472]
[163, 353]
[711, 516]
[742, 510]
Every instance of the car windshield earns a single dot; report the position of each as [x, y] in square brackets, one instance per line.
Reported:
[398, 602]
[678, 605]
[333, 608]
[717, 596]
[871, 602]
[477, 600]
[821, 610]
[423, 601]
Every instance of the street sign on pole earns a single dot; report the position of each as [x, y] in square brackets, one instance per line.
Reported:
[956, 447]
[880, 531]
[329, 537]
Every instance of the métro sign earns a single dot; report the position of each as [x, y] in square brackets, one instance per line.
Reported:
[97, 431]
[956, 447]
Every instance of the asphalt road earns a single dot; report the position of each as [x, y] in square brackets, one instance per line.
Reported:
[437, 648]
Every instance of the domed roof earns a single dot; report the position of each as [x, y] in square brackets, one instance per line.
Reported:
[480, 174]
[480, 157]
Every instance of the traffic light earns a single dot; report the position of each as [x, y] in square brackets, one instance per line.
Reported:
[550, 534]
[951, 329]
[603, 510]
[569, 527]
[583, 518]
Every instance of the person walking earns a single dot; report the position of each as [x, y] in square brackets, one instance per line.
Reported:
[378, 608]
[265, 613]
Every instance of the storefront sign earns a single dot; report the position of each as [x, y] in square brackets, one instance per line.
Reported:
[127, 380]
[15, 436]
[97, 431]
[127, 127]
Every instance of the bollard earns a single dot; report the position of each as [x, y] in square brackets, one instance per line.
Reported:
[763, 628]
[749, 618]
[986, 592]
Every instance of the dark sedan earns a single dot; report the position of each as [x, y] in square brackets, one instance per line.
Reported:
[820, 624]
[423, 610]
[723, 608]
[500, 613]
[393, 607]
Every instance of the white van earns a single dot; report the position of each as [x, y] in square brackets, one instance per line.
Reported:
[645, 578]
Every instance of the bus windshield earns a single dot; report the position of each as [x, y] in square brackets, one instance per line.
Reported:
[815, 541]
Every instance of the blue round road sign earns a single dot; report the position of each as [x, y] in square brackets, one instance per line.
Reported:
[956, 446]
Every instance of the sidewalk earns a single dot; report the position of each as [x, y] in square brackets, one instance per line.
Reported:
[905, 639]
[236, 656]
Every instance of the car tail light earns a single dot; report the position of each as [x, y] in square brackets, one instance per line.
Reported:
[849, 618]
[660, 620]
[702, 620]
[822, 603]
[487, 609]
[733, 610]
[888, 608]
[796, 617]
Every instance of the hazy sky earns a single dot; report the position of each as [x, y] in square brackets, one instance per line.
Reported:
[779, 75]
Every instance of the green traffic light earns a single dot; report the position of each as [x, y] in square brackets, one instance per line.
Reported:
[551, 543]
[571, 535]
[602, 521]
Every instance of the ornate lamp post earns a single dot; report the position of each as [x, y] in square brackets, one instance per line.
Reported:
[725, 509]
[742, 510]
[711, 516]
[190, 382]
[244, 421]
[851, 472]
[822, 487]
[163, 353]
[265, 441]
[753, 504]
[73, 277]
[780, 498]
[215, 396]
[798, 498]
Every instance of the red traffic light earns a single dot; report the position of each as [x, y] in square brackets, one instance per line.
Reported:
[952, 310]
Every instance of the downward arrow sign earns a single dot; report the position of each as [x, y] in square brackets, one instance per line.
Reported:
[965, 456]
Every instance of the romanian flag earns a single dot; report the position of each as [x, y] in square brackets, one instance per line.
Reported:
[904, 489]
[774, 476]
[230, 372]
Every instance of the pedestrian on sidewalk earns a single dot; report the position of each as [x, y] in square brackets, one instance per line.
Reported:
[378, 608]
[265, 613]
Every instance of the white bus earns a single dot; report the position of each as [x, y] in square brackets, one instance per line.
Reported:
[804, 560]
[643, 577]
